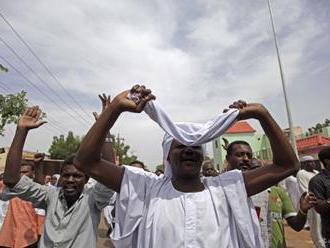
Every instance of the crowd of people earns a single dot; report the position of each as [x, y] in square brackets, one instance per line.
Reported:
[188, 204]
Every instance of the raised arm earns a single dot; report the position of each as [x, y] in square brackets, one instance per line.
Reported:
[107, 151]
[39, 176]
[306, 202]
[30, 119]
[285, 162]
[88, 158]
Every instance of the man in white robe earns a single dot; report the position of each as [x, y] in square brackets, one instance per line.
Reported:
[180, 209]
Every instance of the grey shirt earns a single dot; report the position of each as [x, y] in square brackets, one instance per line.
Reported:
[65, 227]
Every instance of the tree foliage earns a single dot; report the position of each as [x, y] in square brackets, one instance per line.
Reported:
[62, 147]
[11, 106]
[122, 150]
[318, 127]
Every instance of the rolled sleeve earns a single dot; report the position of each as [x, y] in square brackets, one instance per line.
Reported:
[101, 195]
[27, 190]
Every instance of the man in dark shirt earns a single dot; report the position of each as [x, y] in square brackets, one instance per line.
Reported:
[320, 186]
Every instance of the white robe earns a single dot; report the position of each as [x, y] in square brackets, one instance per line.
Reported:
[151, 213]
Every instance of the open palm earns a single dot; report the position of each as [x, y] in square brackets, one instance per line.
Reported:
[30, 119]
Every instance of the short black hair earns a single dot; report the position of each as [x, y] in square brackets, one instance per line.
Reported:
[69, 161]
[137, 162]
[324, 154]
[232, 144]
[27, 163]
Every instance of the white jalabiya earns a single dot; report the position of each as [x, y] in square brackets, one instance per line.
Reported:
[151, 213]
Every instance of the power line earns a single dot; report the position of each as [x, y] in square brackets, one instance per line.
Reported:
[56, 123]
[43, 64]
[6, 90]
[40, 91]
[41, 80]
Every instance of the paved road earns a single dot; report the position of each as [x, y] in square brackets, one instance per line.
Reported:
[298, 239]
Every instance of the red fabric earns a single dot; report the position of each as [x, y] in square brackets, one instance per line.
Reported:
[20, 227]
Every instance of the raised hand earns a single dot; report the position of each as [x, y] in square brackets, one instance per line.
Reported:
[248, 110]
[106, 100]
[30, 119]
[307, 201]
[136, 104]
[38, 157]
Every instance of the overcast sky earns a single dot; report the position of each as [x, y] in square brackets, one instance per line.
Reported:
[196, 56]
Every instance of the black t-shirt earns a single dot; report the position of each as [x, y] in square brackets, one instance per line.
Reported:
[320, 186]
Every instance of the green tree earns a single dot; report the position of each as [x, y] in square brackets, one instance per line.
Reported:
[62, 147]
[11, 106]
[122, 150]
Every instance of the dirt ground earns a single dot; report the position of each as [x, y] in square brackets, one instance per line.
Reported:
[294, 239]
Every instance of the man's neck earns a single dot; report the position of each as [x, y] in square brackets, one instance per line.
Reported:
[188, 184]
[70, 201]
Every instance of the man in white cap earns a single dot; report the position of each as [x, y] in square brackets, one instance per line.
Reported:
[304, 175]
[179, 209]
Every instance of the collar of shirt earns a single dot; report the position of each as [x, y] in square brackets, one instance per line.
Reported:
[65, 204]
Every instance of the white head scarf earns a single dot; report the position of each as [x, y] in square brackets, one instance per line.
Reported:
[189, 134]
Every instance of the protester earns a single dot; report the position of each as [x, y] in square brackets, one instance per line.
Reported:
[3, 204]
[159, 172]
[22, 225]
[273, 204]
[304, 175]
[73, 213]
[320, 186]
[208, 169]
[291, 186]
[48, 178]
[180, 210]
[54, 180]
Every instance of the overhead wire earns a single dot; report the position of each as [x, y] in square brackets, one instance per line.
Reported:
[42, 81]
[7, 91]
[52, 122]
[30, 82]
[43, 65]
[41, 91]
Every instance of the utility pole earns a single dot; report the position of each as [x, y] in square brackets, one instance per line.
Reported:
[288, 111]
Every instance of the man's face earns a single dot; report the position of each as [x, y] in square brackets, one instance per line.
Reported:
[186, 161]
[240, 158]
[47, 179]
[27, 170]
[73, 182]
[208, 170]
[309, 165]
